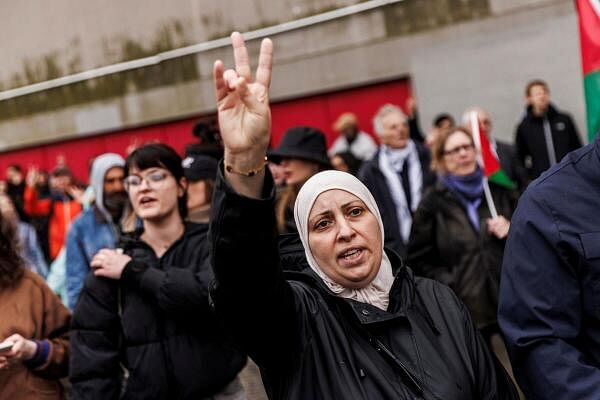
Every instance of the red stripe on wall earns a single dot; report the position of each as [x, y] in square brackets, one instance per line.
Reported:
[319, 111]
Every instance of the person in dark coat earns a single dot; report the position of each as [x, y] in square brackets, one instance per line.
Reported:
[454, 239]
[549, 296]
[397, 175]
[146, 307]
[301, 154]
[347, 328]
[544, 135]
[15, 188]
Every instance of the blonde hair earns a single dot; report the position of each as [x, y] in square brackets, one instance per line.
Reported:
[437, 147]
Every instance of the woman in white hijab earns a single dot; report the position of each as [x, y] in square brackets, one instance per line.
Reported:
[355, 267]
[347, 328]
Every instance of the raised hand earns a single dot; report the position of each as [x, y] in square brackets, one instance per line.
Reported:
[243, 105]
[32, 176]
[76, 193]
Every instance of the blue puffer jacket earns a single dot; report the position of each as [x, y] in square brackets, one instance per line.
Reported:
[550, 287]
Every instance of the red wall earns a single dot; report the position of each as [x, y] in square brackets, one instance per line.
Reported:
[320, 111]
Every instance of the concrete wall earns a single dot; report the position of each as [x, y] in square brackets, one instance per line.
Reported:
[457, 52]
[488, 63]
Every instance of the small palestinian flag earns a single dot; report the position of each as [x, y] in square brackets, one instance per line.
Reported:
[488, 158]
[589, 34]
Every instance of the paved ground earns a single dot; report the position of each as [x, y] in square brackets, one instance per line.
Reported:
[250, 377]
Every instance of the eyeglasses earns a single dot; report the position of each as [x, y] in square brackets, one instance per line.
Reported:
[154, 180]
[457, 149]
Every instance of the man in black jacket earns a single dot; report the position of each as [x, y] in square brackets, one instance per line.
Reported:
[544, 135]
[397, 175]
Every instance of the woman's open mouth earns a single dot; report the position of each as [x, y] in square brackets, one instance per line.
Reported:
[351, 256]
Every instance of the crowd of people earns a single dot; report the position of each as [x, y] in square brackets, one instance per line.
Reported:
[370, 269]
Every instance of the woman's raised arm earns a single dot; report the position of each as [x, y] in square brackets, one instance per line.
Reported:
[244, 116]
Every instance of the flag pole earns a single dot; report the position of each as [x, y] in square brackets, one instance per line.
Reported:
[477, 140]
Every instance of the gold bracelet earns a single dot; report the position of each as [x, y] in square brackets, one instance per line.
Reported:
[249, 173]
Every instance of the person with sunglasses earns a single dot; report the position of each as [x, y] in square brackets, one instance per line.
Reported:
[454, 238]
[143, 327]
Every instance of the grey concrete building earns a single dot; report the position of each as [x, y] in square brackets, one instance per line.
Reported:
[457, 53]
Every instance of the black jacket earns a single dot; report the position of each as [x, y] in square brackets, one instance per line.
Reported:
[530, 141]
[370, 174]
[445, 247]
[156, 321]
[311, 344]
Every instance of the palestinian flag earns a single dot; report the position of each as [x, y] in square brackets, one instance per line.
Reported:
[589, 34]
[488, 158]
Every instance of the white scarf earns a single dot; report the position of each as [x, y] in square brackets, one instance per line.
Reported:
[390, 164]
[377, 291]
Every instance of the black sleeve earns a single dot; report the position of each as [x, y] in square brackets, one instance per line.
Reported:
[250, 294]
[95, 372]
[415, 130]
[491, 379]
[574, 138]
[423, 254]
[519, 173]
[521, 149]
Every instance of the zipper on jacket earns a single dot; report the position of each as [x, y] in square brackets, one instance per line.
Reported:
[413, 381]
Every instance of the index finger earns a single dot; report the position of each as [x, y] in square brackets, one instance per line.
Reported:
[240, 56]
[265, 63]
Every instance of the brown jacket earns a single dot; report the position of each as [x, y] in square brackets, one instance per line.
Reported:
[32, 310]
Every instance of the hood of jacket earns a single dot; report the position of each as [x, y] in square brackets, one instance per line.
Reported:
[100, 167]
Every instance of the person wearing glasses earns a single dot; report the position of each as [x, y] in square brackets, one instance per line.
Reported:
[454, 239]
[143, 327]
[506, 152]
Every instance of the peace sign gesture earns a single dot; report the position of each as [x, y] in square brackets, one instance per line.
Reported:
[243, 106]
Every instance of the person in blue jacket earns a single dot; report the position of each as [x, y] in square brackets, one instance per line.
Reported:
[98, 227]
[550, 288]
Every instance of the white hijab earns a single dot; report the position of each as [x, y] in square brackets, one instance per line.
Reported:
[375, 293]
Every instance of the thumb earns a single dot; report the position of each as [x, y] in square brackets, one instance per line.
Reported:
[13, 338]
